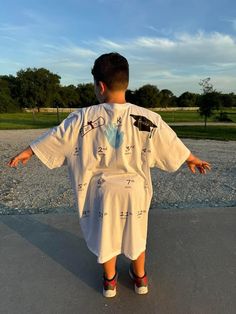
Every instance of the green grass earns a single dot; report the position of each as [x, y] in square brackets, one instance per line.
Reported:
[47, 120]
[25, 120]
[223, 133]
[180, 116]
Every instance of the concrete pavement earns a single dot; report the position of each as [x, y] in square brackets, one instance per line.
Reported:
[46, 268]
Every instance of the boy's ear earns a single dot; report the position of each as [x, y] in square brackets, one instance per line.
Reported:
[102, 86]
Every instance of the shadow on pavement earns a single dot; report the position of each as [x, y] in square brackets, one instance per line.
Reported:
[67, 249]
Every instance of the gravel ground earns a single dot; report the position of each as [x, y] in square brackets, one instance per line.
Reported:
[36, 189]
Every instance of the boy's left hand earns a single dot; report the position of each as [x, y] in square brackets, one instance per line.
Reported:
[194, 162]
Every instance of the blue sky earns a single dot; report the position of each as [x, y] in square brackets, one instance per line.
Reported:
[171, 44]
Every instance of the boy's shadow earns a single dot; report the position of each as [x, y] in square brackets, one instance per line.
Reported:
[67, 249]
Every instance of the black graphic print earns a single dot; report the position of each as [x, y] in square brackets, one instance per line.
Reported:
[143, 123]
[85, 213]
[146, 150]
[102, 150]
[129, 149]
[140, 213]
[92, 125]
[119, 121]
[129, 183]
[77, 151]
[100, 182]
[125, 214]
[102, 214]
[81, 186]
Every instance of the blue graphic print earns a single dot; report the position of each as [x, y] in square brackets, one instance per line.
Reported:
[113, 135]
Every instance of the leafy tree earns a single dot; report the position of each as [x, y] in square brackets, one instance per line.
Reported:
[13, 85]
[165, 98]
[228, 100]
[209, 100]
[41, 88]
[187, 99]
[86, 94]
[174, 101]
[207, 87]
[147, 96]
[67, 96]
[130, 96]
[37, 87]
[7, 103]
[207, 103]
[234, 99]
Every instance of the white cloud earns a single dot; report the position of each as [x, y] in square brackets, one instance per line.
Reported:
[232, 22]
[163, 31]
[68, 48]
[109, 44]
[6, 28]
[79, 52]
[177, 63]
[8, 61]
[184, 48]
[158, 43]
[153, 28]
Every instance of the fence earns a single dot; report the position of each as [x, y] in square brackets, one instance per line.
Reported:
[55, 110]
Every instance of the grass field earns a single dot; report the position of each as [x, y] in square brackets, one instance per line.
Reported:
[47, 120]
[180, 116]
[222, 133]
[26, 121]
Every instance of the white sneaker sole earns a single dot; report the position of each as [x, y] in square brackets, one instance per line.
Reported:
[141, 290]
[138, 290]
[109, 293]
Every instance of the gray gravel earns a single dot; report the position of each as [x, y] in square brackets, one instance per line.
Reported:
[36, 189]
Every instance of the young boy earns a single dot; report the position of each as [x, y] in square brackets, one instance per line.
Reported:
[109, 149]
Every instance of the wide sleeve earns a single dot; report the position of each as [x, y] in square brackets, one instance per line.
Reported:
[55, 145]
[167, 151]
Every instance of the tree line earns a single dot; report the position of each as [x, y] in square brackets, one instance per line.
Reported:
[38, 87]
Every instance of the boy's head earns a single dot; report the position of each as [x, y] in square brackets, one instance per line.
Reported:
[112, 69]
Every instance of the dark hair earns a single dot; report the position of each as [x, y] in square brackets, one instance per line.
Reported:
[113, 70]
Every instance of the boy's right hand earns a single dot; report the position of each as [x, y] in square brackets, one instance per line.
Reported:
[23, 157]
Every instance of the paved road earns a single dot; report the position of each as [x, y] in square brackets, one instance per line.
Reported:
[46, 268]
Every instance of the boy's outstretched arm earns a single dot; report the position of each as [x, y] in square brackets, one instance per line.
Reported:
[23, 157]
[194, 162]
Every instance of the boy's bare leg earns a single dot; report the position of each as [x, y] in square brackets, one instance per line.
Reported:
[109, 268]
[139, 265]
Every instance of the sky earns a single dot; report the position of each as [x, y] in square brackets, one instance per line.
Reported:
[172, 44]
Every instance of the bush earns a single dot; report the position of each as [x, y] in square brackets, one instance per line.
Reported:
[223, 117]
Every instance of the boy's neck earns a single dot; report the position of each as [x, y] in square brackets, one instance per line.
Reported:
[115, 97]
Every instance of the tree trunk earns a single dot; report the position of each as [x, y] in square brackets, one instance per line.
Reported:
[205, 121]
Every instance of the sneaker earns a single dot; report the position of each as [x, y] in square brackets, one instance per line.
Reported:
[140, 284]
[109, 286]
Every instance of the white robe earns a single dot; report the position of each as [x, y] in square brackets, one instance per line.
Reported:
[109, 149]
